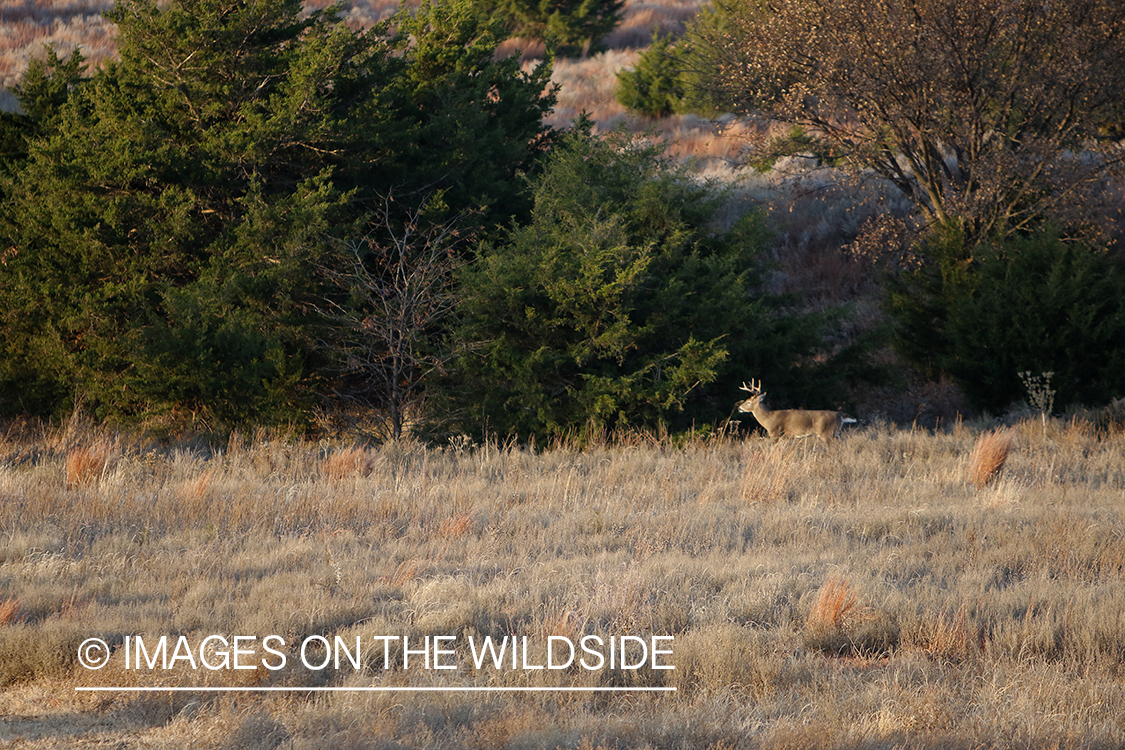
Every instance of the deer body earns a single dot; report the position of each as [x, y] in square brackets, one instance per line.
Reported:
[793, 423]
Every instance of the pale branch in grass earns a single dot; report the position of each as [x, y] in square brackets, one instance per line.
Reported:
[990, 115]
[1039, 393]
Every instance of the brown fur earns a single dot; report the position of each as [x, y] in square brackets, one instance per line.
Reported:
[792, 423]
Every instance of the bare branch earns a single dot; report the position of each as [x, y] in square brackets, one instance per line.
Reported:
[988, 114]
[397, 282]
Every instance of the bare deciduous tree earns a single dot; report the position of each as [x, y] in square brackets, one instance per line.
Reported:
[398, 285]
[988, 114]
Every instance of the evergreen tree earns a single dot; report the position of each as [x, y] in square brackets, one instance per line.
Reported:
[468, 125]
[667, 78]
[1034, 304]
[651, 88]
[567, 26]
[618, 305]
[41, 92]
[167, 228]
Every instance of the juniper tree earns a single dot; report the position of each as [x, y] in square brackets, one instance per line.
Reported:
[620, 304]
[164, 233]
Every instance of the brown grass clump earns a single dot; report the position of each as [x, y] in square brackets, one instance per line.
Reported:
[347, 463]
[989, 456]
[833, 612]
[198, 487]
[835, 606]
[8, 610]
[946, 638]
[838, 625]
[86, 464]
[456, 526]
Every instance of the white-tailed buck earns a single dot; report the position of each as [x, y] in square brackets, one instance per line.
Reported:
[793, 423]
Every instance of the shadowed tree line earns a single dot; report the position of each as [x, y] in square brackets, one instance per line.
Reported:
[999, 120]
[258, 214]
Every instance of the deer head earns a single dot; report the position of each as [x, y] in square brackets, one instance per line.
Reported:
[756, 394]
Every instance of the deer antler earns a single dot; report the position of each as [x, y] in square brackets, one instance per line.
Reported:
[755, 389]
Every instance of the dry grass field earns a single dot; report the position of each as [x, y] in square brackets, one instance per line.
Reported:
[958, 589]
[901, 589]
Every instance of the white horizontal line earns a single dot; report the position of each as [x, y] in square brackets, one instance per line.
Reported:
[377, 689]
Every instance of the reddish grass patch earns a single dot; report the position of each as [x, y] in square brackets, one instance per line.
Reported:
[835, 606]
[9, 608]
[347, 463]
[86, 464]
[989, 455]
[455, 527]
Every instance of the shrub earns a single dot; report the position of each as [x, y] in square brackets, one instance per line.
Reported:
[618, 305]
[666, 78]
[652, 87]
[984, 314]
[86, 464]
[567, 26]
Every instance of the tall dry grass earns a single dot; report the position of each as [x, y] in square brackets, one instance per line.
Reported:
[989, 455]
[862, 596]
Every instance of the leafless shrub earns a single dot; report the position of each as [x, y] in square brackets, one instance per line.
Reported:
[397, 279]
[909, 108]
[887, 241]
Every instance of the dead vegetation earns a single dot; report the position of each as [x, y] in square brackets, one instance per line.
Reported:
[989, 455]
[869, 593]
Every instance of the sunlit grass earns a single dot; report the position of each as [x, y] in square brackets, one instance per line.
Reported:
[867, 590]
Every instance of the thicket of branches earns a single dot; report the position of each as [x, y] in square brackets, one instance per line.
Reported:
[989, 115]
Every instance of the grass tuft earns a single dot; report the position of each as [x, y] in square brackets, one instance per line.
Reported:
[835, 607]
[87, 464]
[989, 455]
[348, 462]
[9, 608]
